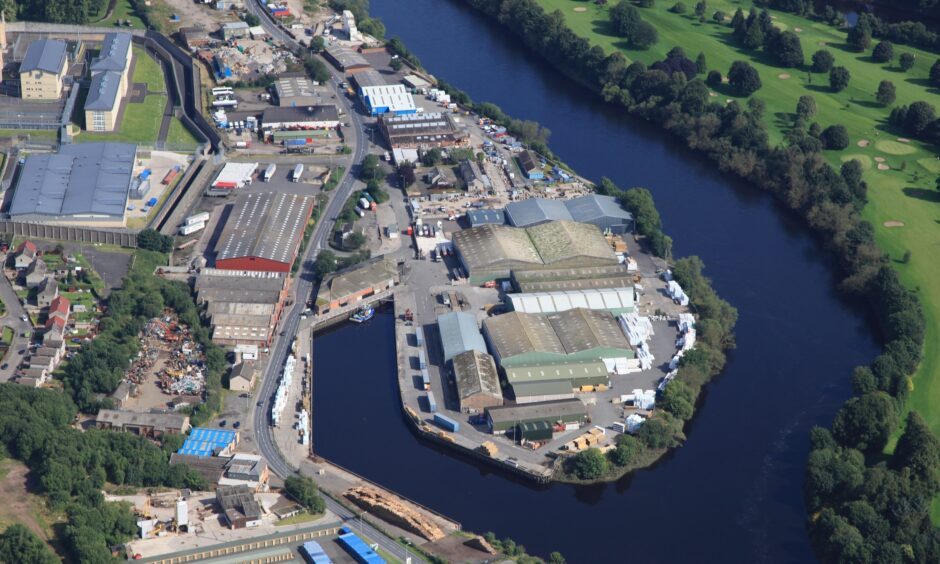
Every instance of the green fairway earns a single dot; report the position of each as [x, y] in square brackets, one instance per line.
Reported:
[900, 173]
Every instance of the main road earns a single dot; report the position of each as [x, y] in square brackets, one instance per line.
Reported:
[358, 138]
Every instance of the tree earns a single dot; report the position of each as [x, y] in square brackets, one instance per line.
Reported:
[19, 544]
[626, 450]
[935, 73]
[629, 25]
[883, 52]
[153, 240]
[785, 48]
[744, 78]
[316, 70]
[886, 93]
[700, 8]
[806, 107]
[305, 491]
[369, 168]
[865, 422]
[325, 263]
[433, 156]
[918, 116]
[718, 17]
[396, 64]
[753, 37]
[317, 44]
[839, 78]
[589, 464]
[657, 433]
[700, 64]
[713, 79]
[835, 137]
[906, 61]
[646, 3]
[678, 399]
[859, 36]
[678, 8]
[556, 558]
[823, 61]
[917, 449]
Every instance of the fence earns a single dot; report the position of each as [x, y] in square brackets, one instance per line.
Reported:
[69, 233]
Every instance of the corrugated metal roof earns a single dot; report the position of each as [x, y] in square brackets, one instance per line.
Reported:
[486, 217]
[543, 411]
[556, 371]
[592, 207]
[562, 333]
[545, 388]
[394, 97]
[103, 91]
[459, 333]
[535, 211]
[44, 54]
[475, 373]
[203, 441]
[265, 225]
[81, 179]
[550, 302]
[114, 55]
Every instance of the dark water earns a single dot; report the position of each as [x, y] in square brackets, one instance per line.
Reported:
[733, 492]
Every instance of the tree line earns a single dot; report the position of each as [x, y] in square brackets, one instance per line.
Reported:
[734, 136]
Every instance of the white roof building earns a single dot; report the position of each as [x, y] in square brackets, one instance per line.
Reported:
[388, 98]
[235, 175]
[616, 300]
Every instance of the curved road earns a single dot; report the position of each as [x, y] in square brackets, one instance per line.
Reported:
[358, 137]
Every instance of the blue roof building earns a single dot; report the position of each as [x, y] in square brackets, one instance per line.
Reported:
[359, 549]
[203, 441]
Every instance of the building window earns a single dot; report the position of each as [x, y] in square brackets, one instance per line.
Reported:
[97, 121]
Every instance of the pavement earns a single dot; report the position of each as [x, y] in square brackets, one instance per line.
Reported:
[14, 320]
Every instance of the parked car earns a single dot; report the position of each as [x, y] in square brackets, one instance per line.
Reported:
[222, 423]
[237, 424]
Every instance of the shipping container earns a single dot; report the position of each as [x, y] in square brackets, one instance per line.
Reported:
[446, 423]
[425, 379]
[298, 173]
[419, 336]
[363, 203]
[422, 360]
[145, 174]
[269, 172]
[198, 218]
[171, 175]
[295, 142]
[190, 229]
[152, 202]
[432, 403]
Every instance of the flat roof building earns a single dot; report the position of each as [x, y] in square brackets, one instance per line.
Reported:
[243, 307]
[294, 91]
[300, 117]
[501, 419]
[239, 506]
[151, 425]
[422, 131]
[82, 184]
[477, 380]
[390, 98]
[459, 333]
[366, 78]
[263, 232]
[490, 252]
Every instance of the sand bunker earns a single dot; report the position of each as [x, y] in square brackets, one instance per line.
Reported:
[712, 94]
[879, 159]
[894, 224]
[903, 140]
[882, 166]
[580, 9]
[823, 43]
[863, 142]
[783, 76]
[798, 29]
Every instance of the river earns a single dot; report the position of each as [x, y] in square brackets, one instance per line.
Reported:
[733, 492]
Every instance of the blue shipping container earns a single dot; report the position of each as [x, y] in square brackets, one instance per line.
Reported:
[295, 142]
[145, 174]
[152, 202]
[359, 549]
[446, 422]
[432, 405]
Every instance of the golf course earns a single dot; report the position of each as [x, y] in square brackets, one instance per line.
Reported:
[904, 205]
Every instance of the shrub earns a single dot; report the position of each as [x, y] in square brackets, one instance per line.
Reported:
[744, 78]
[883, 52]
[835, 137]
[906, 61]
[823, 61]
[678, 8]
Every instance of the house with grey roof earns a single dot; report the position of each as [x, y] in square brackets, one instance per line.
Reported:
[82, 184]
[42, 71]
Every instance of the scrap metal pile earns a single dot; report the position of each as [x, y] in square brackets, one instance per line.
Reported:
[164, 339]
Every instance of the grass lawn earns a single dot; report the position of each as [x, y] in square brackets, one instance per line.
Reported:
[147, 69]
[123, 11]
[299, 518]
[904, 193]
[33, 133]
[7, 336]
[179, 136]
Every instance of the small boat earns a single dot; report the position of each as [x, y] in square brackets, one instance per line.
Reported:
[363, 315]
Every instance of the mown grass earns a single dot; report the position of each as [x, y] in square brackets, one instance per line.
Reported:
[122, 11]
[903, 193]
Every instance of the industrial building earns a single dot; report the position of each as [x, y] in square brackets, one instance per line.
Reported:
[346, 59]
[366, 78]
[232, 176]
[421, 131]
[485, 217]
[82, 184]
[565, 412]
[575, 335]
[560, 279]
[294, 91]
[242, 307]
[42, 72]
[209, 467]
[614, 300]
[529, 163]
[206, 442]
[306, 117]
[263, 232]
[351, 285]
[150, 425]
[391, 98]
[555, 380]
[459, 333]
[603, 211]
[491, 252]
[234, 30]
[415, 82]
[238, 505]
[248, 470]
[477, 380]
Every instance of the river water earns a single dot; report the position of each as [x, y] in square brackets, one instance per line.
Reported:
[732, 494]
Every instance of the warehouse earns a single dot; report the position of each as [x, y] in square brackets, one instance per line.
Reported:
[291, 91]
[82, 184]
[242, 307]
[415, 82]
[545, 390]
[477, 380]
[391, 98]
[351, 285]
[603, 211]
[459, 333]
[576, 335]
[558, 279]
[422, 131]
[346, 59]
[614, 300]
[234, 30]
[485, 217]
[491, 252]
[502, 419]
[263, 232]
[366, 78]
[306, 117]
[231, 177]
[238, 505]
[150, 425]
[555, 380]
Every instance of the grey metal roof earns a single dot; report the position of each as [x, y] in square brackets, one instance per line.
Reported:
[484, 217]
[515, 333]
[368, 77]
[544, 388]
[44, 54]
[582, 329]
[475, 373]
[81, 179]
[542, 411]
[265, 225]
[103, 92]
[459, 333]
[595, 206]
[288, 114]
[292, 87]
[346, 57]
[535, 211]
[115, 51]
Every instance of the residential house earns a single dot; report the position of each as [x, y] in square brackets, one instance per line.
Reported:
[26, 253]
[35, 273]
[48, 291]
[58, 314]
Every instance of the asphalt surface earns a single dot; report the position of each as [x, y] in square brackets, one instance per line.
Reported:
[358, 135]
[14, 320]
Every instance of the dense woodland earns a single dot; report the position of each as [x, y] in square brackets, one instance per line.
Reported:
[865, 507]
